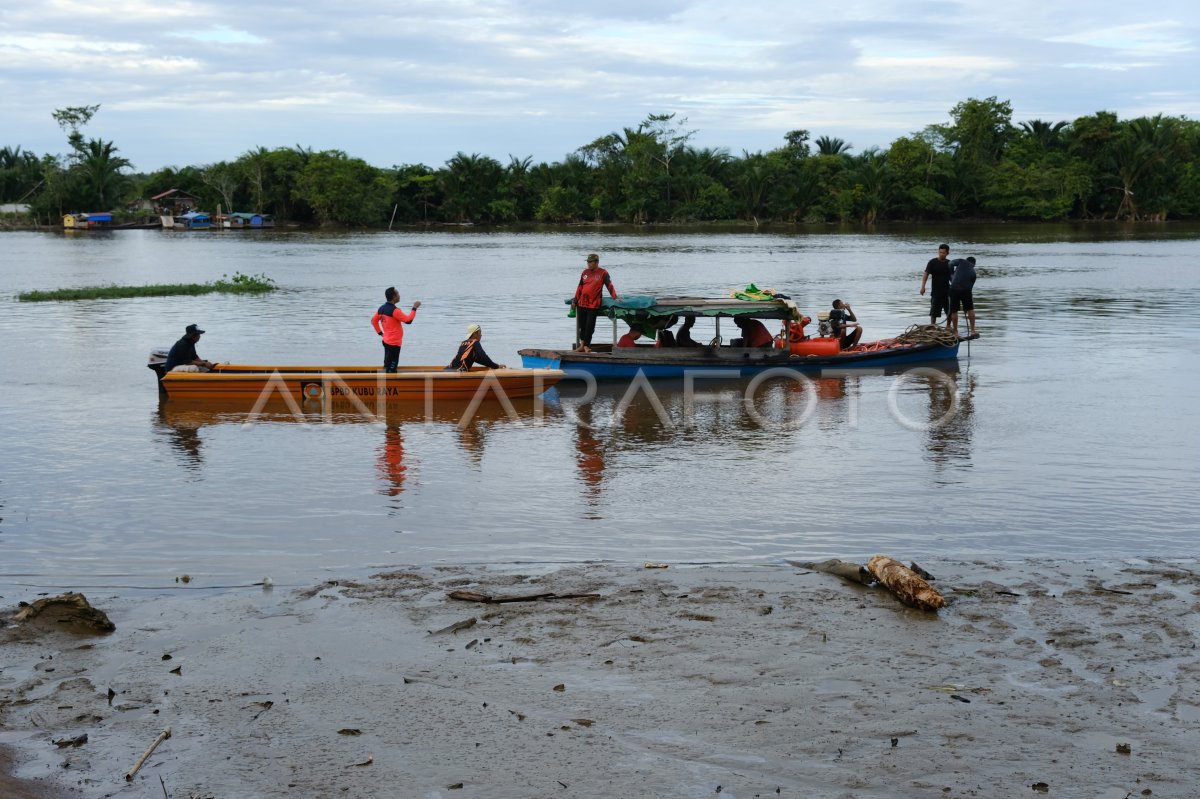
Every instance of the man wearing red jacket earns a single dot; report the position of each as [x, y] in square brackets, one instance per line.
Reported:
[587, 301]
[389, 322]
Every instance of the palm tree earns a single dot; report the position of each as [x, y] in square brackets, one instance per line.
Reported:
[870, 180]
[20, 173]
[832, 146]
[470, 183]
[101, 167]
[1047, 136]
[1146, 144]
[516, 184]
[751, 184]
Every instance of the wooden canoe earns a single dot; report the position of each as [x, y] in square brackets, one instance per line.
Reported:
[249, 384]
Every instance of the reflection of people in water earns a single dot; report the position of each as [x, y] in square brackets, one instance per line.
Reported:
[589, 455]
[472, 436]
[392, 469]
[951, 411]
[184, 438]
[830, 389]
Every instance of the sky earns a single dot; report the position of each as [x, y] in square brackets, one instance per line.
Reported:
[415, 81]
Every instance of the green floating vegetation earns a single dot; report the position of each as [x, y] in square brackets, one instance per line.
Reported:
[237, 284]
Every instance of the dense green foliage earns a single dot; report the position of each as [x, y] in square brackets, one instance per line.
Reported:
[979, 165]
[238, 284]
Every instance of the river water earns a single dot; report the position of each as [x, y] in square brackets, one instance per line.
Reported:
[1068, 430]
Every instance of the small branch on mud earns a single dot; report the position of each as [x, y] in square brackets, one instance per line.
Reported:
[474, 596]
[458, 625]
[162, 736]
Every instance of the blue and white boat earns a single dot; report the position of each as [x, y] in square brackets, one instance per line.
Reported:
[792, 347]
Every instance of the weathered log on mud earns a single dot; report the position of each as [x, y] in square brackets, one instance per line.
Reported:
[69, 611]
[853, 572]
[475, 596]
[905, 584]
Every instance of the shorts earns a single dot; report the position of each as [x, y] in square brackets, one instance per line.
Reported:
[939, 304]
[961, 299]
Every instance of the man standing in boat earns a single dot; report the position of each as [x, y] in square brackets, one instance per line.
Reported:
[962, 285]
[183, 357]
[389, 322]
[587, 301]
[939, 295]
[841, 319]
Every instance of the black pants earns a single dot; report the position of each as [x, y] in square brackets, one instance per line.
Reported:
[939, 304]
[585, 324]
[391, 357]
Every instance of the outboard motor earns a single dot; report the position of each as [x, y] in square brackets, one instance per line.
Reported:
[825, 329]
[158, 361]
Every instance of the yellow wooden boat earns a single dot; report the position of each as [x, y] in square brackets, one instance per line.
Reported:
[250, 385]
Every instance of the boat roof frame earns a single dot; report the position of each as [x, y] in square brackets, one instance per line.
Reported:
[712, 307]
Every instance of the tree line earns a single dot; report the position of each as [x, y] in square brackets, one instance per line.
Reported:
[979, 165]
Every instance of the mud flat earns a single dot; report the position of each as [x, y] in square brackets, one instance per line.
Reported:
[1065, 679]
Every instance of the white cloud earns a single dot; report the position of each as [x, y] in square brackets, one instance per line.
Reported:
[221, 34]
[1149, 38]
[416, 80]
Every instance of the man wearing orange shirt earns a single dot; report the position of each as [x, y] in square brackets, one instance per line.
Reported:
[389, 322]
[587, 301]
[754, 332]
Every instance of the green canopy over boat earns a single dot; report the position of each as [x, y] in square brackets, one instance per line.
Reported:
[636, 309]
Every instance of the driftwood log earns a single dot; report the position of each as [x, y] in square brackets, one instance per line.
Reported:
[852, 572]
[905, 584]
[70, 610]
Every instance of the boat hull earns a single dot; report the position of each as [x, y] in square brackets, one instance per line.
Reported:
[725, 361]
[248, 385]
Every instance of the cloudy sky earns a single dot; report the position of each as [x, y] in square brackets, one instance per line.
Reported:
[415, 81]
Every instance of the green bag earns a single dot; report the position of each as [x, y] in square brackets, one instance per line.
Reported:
[571, 312]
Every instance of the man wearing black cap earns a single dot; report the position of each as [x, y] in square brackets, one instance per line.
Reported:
[183, 354]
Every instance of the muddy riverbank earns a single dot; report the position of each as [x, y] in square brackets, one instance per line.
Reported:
[743, 681]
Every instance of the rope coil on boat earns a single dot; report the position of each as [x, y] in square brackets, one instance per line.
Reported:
[928, 334]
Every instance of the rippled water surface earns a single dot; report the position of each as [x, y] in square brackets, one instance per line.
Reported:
[1069, 429]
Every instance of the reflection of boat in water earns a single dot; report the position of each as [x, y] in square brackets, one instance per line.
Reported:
[193, 415]
[793, 348]
[247, 386]
[185, 425]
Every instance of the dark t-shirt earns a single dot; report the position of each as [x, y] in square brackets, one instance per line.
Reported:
[182, 353]
[939, 271]
[838, 318]
[470, 352]
[963, 278]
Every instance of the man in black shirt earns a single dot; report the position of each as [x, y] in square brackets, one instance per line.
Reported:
[183, 353]
[470, 352]
[939, 299]
[844, 324]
